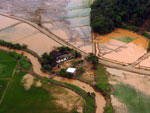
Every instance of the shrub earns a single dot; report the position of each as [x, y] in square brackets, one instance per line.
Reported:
[63, 73]
[108, 109]
[104, 88]
[12, 46]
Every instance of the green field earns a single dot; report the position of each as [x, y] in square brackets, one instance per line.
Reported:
[125, 39]
[19, 100]
[7, 65]
[136, 101]
[3, 85]
[34, 100]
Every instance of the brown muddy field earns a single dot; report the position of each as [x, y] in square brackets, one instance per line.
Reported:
[126, 50]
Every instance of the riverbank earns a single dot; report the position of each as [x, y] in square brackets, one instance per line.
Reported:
[100, 101]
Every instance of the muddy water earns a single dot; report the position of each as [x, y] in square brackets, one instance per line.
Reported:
[100, 101]
[113, 48]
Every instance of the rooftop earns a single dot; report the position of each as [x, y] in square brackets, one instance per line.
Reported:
[71, 70]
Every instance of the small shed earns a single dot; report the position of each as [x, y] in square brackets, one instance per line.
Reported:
[71, 70]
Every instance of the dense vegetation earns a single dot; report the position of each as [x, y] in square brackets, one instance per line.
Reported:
[106, 15]
[103, 86]
[12, 46]
[49, 61]
[93, 59]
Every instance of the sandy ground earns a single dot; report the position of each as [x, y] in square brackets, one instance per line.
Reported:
[127, 54]
[38, 83]
[120, 33]
[17, 32]
[139, 82]
[6, 22]
[68, 99]
[100, 101]
[110, 46]
[27, 80]
[145, 63]
[84, 46]
[118, 106]
[25, 34]
[116, 50]
[39, 43]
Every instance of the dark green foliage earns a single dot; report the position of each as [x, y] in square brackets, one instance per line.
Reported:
[12, 46]
[64, 49]
[93, 59]
[63, 73]
[76, 54]
[49, 61]
[109, 14]
[104, 88]
[24, 63]
[15, 55]
[102, 80]
[146, 35]
[109, 109]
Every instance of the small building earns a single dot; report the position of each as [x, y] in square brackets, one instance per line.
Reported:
[71, 70]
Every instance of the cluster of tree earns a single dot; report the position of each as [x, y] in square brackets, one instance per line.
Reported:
[93, 59]
[66, 50]
[12, 46]
[46, 62]
[63, 73]
[106, 15]
[49, 61]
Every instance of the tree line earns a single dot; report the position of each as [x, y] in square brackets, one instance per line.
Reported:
[106, 15]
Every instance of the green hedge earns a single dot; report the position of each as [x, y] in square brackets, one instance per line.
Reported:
[12, 46]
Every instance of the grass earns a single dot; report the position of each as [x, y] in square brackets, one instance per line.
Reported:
[17, 98]
[3, 85]
[125, 39]
[34, 100]
[136, 101]
[103, 86]
[101, 79]
[7, 65]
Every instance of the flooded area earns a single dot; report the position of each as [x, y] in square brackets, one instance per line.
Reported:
[68, 19]
[145, 63]
[100, 101]
[121, 45]
[6, 22]
[23, 33]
